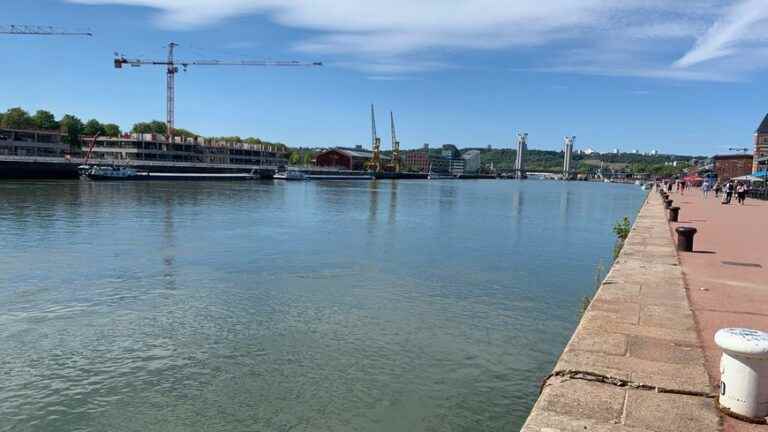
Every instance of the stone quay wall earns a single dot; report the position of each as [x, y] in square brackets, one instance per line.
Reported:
[635, 362]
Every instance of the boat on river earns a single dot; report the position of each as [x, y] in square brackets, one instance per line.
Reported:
[437, 176]
[123, 173]
[322, 174]
[432, 175]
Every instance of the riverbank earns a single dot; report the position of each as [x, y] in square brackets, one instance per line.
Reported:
[726, 274]
[635, 362]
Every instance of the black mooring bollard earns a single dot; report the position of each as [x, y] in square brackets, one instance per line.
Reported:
[668, 203]
[685, 238]
[673, 214]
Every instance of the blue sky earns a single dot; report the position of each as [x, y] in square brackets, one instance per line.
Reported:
[677, 76]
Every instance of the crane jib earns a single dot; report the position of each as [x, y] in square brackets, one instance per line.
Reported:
[171, 63]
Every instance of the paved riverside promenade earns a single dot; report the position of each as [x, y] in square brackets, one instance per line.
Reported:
[635, 362]
[726, 286]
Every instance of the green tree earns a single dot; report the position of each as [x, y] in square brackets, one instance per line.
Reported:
[17, 118]
[155, 126]
[72, 128]
[184, 133]
[308, 158]
[45, 120]
[295, 158]
[234, 139]
[111, 130]
[93, 127]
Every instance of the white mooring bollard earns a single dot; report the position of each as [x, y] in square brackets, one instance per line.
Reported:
[743, 373]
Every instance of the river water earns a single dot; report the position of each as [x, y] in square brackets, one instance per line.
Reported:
[307, 306]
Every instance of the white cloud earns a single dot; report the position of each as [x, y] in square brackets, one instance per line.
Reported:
[744, 22]
[611, 37]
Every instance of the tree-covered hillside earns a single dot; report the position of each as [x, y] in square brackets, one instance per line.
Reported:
[547, 160]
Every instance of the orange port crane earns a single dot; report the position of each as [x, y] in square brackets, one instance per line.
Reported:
[375, 163]
[395, 146]
[40, 30]
[172, 68]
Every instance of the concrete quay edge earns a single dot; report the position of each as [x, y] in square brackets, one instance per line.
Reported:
[635, 362]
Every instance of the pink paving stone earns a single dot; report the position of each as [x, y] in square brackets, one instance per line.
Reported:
[725, 295]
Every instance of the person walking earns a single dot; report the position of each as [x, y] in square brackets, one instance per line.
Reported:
[727, 193]
[669, 186]
[718, 189]
[741, 193]
[705, 189]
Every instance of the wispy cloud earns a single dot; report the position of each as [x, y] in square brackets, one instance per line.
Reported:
[236, 45]
[743, 23]
[640, 72]
[676, 38]
[392, 78]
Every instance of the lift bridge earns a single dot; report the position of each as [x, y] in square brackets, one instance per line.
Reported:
[520, 171]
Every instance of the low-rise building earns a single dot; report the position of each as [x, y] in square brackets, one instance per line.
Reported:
[439, 165]
[32, 143]
[415, 160]
[456, 167]
[733, 165]
[354, 159]
[471, 161]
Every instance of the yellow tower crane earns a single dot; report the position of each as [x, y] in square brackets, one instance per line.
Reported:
[172, 68]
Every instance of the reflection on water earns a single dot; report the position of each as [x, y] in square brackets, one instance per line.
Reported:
[168, 247]
[565, 199]
[392, 203]
[317, 306]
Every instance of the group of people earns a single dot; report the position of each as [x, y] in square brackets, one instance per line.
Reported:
[727, 189]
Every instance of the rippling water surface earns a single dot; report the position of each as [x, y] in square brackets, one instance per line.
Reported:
[317, 306]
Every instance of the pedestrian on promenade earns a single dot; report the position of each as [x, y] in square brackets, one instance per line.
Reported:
[705, 188]
[669, 186]
[727, 193]
[741, 193]
[718, 189]
[682, 187]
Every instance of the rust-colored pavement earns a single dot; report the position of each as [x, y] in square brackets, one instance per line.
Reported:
[727, 274]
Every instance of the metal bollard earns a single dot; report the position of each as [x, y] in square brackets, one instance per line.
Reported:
[673, 214]
[685, 238]
[743, 373]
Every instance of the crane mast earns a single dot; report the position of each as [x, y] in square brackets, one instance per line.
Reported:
[170, 92]
[172, 68]
[375, 163]
[395, 145]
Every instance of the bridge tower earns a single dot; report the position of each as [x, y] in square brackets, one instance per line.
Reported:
[567, 153]
[522, 148]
